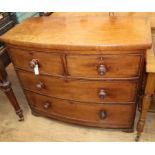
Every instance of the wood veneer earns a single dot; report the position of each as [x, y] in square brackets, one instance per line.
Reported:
[90, 67]
[81, 33]
[83, 113]
[80, 90]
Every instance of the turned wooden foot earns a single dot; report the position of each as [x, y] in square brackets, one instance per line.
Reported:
[5, 86]
[149, 91]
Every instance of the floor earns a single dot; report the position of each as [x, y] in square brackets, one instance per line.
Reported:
[43, 129]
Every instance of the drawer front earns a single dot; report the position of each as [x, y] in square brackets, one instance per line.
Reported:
[94, 114]
[48, 63]
[104, 66]
[80, 90]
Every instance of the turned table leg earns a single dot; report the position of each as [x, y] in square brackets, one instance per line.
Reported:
[149, 91]
[5, 86]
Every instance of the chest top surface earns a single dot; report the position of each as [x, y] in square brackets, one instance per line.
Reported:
[85, 33]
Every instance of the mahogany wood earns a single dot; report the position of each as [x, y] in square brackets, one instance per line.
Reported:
[82, 113]
[90, 67]
[81, 33]
[52, 65]
[80, 90]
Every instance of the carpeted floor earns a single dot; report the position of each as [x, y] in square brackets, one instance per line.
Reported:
[43, 129]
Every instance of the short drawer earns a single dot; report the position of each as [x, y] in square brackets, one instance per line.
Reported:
[80, 90]
[48, 63]
[104, 66]
[93, 115]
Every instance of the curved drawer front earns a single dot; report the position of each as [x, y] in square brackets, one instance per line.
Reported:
[48, 63]
[80, 90]
[104, 66]
[100, 115]
[84, 66]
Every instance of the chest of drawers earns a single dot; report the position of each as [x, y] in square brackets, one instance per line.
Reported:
[90, 68]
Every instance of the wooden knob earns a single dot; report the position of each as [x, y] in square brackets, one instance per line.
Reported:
[33, 63]
[103, 114]
[40, 85]
[101, 69]
[47, 105]
[102, 94]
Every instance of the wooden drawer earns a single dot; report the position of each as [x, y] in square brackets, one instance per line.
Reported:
[48, 63]
[89, 114]
[80, 90]
[104, 66]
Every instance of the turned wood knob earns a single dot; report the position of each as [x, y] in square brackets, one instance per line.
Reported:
[103, 114]
[33, 63]
[40, 85]
[101, 69]
[102, 94]
[46, 105]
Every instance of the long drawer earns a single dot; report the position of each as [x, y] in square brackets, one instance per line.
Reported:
[116, 116]
[80, 90]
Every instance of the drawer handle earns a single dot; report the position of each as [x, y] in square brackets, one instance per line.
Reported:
[33, 63]
[47, 105]
[40, 85]
[103, 114]
[101, 69]
[102, 94]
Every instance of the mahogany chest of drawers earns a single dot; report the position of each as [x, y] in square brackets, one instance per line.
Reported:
[85, 70]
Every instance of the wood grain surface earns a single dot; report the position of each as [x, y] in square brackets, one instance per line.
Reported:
[87, 114]
[90, 67]
[84, 32]
[81, 90]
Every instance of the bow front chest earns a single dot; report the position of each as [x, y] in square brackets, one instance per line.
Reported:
[85, 70]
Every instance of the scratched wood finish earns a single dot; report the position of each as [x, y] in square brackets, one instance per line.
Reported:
[83, 113]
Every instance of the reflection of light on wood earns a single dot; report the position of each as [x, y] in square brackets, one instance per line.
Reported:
[111, 13]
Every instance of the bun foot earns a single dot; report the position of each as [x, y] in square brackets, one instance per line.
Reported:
[35, 114]
[128, 130]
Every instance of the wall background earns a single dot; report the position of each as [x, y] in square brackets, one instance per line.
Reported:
[23, 15]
